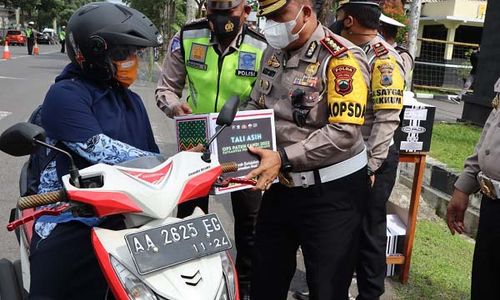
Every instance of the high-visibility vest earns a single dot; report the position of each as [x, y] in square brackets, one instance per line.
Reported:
[213, 78]
[62, 35]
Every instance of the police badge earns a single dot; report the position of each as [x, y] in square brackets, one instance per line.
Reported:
[343, 79]
[386, 71]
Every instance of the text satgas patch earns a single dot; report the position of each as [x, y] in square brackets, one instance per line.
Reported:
[347, 91]
[387, 84]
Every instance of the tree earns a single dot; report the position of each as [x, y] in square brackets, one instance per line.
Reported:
[395, 10]
[325, 10]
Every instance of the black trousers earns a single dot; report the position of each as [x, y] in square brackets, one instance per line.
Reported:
[246, 206]
[63, 266]
[486, 264]
[63, 46]
[325, 220]
[30, 43]
[371, 267]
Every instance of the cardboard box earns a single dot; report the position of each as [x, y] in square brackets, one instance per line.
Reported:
[249, 128]
[415, 129]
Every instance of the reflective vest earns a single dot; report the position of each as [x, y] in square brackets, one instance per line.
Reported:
[213, 78]
[29, 33]
[62, 35]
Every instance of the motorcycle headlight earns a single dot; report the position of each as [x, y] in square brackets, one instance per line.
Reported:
[229, 287]
[134, 287]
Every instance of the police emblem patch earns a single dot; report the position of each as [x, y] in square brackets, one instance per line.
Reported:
[312, 69]
[274, 62]
[343, 79]
[386, 71]
[176, 44]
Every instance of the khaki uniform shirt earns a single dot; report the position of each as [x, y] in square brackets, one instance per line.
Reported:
[408, 63]
[173, 76]
[322, 141]
[486, 157]
[382, 117]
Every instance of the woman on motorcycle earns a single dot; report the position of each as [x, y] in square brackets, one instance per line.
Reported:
[91, 112]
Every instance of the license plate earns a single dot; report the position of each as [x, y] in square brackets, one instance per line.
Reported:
[172, 244]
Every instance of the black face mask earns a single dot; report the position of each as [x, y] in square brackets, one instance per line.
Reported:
[337, 26]
[225, 27]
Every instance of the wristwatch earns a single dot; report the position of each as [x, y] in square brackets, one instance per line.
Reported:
[286, 165]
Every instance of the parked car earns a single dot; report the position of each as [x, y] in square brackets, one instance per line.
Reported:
[47, 36]
[15, 37]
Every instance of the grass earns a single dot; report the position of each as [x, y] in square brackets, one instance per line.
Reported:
[440, 267]
[453, 143]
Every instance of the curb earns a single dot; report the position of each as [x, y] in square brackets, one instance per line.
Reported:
[434, 97]
[437, 187]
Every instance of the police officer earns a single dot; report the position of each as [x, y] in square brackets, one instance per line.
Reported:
[482, 172]
[30, 37]
[62, 38]
[358, 21]
[389, 30]
[317, 84]
[219, 57]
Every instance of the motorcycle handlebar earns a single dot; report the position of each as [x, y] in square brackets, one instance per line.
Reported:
[229, 167]
[40, 200]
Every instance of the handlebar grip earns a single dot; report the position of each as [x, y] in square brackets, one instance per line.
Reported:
[229, 167]
[40, 200]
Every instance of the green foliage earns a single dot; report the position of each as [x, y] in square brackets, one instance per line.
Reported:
[441, 265]
[453, 143]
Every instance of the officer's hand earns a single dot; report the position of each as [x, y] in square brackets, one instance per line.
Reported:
[199, 148]
[182, 110]
[456, 210]
[372, 179]
[268, 170]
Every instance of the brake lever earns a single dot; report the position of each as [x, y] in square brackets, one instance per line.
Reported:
[221, 182]
[42, 212]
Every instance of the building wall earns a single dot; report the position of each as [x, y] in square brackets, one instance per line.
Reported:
[470, 9]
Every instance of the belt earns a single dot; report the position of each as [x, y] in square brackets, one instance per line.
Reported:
[327, 174]
[489, 187]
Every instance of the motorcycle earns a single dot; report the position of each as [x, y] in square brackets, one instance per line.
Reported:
[156, 256]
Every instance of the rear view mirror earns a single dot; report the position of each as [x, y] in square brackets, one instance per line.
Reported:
[19, 140]
[228, 111]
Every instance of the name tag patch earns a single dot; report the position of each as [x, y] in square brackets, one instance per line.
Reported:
[269, 72]
[246, 73]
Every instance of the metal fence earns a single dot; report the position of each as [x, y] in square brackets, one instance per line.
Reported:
[442, 65]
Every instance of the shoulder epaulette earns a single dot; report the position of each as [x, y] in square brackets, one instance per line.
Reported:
[335, 47]
[379, 49]
[256, 34]
[196, 24]
[401, 49]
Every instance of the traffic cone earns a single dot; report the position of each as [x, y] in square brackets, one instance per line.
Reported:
[36, 50]
[6, 51]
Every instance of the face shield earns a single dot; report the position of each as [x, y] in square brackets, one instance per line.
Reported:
[135, 65]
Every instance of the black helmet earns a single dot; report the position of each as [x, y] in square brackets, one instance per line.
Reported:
[97, 29]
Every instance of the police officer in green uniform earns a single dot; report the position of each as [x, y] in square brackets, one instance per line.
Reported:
[218, 57]
[358, 21]
[317, 84]
[30, 37]
[62, 38]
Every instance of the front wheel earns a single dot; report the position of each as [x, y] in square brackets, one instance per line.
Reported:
[9, 285]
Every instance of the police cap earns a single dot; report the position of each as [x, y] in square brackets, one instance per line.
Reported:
[267, 7]
[359, 2]
[390, 21]
[223, 4]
